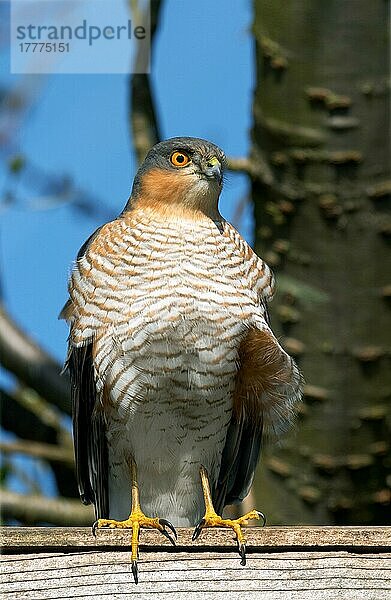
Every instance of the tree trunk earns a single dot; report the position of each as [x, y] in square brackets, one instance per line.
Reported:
[321, 125]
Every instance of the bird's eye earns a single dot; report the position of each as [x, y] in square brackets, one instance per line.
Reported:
[179, 159]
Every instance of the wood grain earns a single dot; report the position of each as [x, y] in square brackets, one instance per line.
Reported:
[300, 563]
[257, 537]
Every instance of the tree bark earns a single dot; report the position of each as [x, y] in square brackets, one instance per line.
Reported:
[321, 123]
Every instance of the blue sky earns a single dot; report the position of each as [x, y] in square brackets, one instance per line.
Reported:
[77, 125]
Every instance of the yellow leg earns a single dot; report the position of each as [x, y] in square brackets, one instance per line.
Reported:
[212, 519]
[136, 521]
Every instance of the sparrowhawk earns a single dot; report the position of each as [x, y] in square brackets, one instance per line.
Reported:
[175, 371]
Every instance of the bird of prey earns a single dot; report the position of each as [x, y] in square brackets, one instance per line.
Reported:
[176, 374]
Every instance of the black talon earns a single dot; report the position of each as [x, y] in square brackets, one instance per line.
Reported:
[197, 530]
[94, 528]
[262, 516]
[242, 553]
[168, 536]
[135, 571]
[166, 523]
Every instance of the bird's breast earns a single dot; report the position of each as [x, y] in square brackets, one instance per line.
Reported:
[166, 304]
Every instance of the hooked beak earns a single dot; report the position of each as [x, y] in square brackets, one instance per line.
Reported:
[213, 169]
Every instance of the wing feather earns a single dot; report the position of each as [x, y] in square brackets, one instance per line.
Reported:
[268, 387]
[239, 460]
[89, 431]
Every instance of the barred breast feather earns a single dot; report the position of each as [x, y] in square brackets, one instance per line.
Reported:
[174, 311]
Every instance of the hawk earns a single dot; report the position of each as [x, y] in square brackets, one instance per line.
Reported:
[176, 374]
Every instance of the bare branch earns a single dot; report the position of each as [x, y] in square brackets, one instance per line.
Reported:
[240, 165]
[31, 418]
[46, 412]
[256, 168]
[143, 118]
[33, 509]
[17, 417]
[49, 452]
[32, 365]
[26, 477]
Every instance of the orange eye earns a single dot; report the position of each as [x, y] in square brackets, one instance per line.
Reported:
[179, 159]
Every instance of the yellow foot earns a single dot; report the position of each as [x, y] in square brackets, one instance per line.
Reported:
[135, 522]
[211, 519]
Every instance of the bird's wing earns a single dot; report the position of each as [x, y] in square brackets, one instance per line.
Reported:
[89, 430]
[268, 386]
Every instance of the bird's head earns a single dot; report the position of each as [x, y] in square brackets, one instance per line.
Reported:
[180, 174]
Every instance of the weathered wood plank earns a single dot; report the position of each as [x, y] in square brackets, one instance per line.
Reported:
[190, 576]
[299, 563]
[12, 538]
